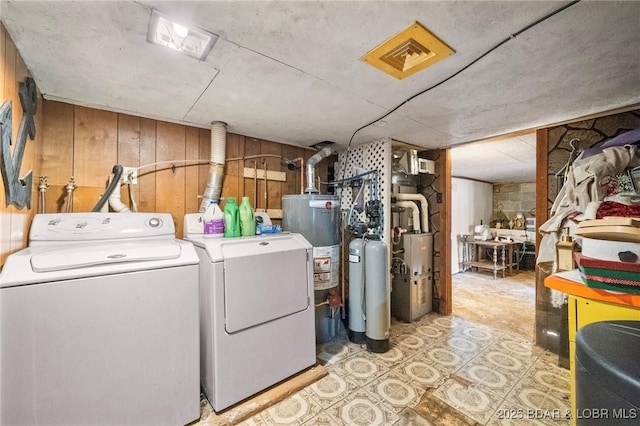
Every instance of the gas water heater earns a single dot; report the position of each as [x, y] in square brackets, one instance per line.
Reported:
[317, 218]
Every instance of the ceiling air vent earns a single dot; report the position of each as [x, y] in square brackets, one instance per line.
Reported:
[408, 55]
[408, 52]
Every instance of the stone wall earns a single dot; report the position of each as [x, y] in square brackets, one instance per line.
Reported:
[433, 188]
[511, 198]
[589, 133]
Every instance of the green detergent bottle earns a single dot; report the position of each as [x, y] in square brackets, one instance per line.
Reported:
[247, 218]
[231, 218]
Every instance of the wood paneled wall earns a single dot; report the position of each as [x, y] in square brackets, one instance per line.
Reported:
[14, 223]
[86, 143]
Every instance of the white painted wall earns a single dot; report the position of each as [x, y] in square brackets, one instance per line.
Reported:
[470, 202]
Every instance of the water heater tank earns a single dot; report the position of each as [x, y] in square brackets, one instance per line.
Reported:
[317, 218]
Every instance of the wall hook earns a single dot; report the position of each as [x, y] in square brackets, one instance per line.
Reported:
[572, 143]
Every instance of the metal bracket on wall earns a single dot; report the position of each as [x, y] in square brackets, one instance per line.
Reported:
[18, 190]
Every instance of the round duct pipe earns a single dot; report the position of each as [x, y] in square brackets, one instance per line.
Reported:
[326, 151]
[216, 164]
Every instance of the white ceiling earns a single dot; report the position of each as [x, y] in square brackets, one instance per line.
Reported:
[511, 160]
[290, 71]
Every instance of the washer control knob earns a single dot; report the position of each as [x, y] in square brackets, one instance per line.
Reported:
[155, 222]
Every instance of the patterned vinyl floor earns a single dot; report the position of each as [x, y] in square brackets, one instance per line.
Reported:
[440, 370]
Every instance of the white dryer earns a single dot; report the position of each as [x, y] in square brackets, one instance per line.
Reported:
[257, 324]
[99, 323]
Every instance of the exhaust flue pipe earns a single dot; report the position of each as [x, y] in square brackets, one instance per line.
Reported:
[416, 213]
[216, 164]
[311, 168]
[424, 205]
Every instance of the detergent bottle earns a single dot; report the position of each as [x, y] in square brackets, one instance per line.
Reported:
[213, 219]
[247, 218]
[231, 218]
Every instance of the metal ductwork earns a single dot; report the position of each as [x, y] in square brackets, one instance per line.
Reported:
[216, 164]
[404, 167]
[325, 152]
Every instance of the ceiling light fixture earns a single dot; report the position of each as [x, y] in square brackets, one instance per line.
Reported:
[191, 41]
[408, 52]
[180, 30]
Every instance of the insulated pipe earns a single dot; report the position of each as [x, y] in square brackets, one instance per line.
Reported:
[424, 205]
[216, 164]
[311, 167]
[416, 213]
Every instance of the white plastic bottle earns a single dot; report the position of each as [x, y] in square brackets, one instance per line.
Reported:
[213, 220]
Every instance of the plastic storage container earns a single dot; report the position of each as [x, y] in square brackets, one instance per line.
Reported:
[608, 373]
[247, 218]
[213, 220]
[231, 218]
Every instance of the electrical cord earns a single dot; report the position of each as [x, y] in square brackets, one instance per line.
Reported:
[512, 36]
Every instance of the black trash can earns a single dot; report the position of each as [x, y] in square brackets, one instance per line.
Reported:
[527, 256]
[608, 373]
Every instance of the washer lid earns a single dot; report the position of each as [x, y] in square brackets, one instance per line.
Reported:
[82, 256]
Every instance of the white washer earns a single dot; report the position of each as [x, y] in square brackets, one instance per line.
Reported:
[99, 323]
[257, 323]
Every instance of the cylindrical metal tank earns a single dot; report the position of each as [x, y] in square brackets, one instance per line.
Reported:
[377, 295]
[356, 291]
[317, 218]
